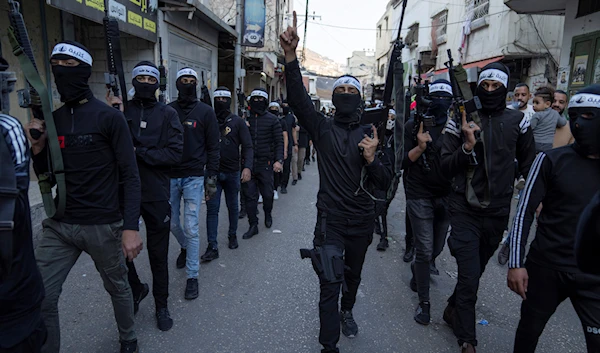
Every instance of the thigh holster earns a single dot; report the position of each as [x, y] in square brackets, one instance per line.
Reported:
[327, 260]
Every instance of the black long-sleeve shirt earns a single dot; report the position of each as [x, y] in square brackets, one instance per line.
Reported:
[419, 184]
[200, 141]
[507, 136]
[158, 139]
[340, 160]
[587, 244]
[564, 182]
[97, 152]
[235, 133]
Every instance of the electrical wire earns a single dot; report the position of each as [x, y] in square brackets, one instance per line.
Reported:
[542, 41]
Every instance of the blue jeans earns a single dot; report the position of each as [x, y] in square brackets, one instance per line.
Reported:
[192, 190]
[230, 183]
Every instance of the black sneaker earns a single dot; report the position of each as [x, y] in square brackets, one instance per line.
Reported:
[138, 297]
[449, 315]
[294, 182]
[191, 289]
[422, 315]
[210, 254]
[467, 348]
[433, 269]
[504, 253]
[242, 214]
[233, 243]
[307, 162]
[268, 220]
[349, 327]
[314, 159]
[180, 263]
[129, 346]
[163, 319]
[252, 231]
[383, 244]
[300, 175]
[409, 254]
[413, 280]
[284, 190]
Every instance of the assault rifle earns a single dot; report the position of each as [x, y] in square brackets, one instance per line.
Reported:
[115, 76]
[421, 91]
[205, 93]
[36, 97]
[162, 85]
[463, 99]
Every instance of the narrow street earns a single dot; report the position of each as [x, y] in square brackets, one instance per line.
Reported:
[262, 297]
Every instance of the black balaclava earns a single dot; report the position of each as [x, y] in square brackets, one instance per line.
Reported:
[440, 92]
[222, 109]
[72, 82]
[188, 94]
[145, 91]
[586, 131]
[494, 101]
[348, 107]
[259, 107]
[286, 108]
[274, 108]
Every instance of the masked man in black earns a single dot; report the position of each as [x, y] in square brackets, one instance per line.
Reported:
[275, 109]
[345, 212]
[21, 288]
[158, 141]
[97, 153]
[267, 144]
[564, 180]
[234, 134]
[427, 189]
[290, 121]
[195, 178]
[479, 204]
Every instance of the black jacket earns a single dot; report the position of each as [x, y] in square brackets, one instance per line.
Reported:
[235, 133]
[200, 141]
[507, 136]
[419, 184]
[267, 139]
[340, 160]
[290, 122]
[97, 153]
[564, 182]
[302, 137]
[158, 140]
[587, 244]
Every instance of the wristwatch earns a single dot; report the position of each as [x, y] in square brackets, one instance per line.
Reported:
[280, 161]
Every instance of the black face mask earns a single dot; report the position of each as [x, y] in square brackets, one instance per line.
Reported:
[187, 92]
[72, 82]
[494, 101]
[274, 112]
[145, 91]
[439, 109]
[586, 131]
[222, 109]
[258, 107]
[286, 110]
[347, 107]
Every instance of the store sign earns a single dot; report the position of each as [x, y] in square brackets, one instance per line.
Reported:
[136, 17]
[254, 23]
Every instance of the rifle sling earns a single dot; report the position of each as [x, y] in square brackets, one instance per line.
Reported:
[53, 210]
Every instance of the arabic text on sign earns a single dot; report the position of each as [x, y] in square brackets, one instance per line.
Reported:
[134, 18]
[149, 25]
[118, 10]
[95, 4]
[143, 4]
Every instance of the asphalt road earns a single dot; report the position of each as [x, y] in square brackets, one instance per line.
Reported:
[262, 297]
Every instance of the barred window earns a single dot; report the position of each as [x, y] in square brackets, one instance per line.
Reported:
[481, 8]
[440, 23]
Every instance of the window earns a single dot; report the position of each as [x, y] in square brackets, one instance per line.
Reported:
[382, 72]
[481, 8]
[396, 3]
[379, 31]
[440, 23]
[587, 7]
[412, 37]
[386, 23]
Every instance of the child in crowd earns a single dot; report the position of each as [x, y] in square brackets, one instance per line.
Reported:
[545, 120]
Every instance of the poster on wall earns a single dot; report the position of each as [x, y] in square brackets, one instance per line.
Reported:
[579, 69]
[136, 17]
[562, 80]
[596, 78]
[254, 24]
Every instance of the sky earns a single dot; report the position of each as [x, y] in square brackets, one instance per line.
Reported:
[335, 43]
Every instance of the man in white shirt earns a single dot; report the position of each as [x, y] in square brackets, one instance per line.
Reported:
[522, 95]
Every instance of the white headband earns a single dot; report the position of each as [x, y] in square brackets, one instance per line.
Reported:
[274, 104]
[392, 111]
[440, 87]
[259, 93]
[145, 70]
[222, 93]
[494, 74]
[187, 72]
[585, 100]
[72, 51]
[347, 80]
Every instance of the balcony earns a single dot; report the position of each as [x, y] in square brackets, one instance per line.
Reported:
[536, 7]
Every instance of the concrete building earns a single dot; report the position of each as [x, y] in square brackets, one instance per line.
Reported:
[579, 63]
[479, 32]
[383, 43]
[362, 65]
[320, 64]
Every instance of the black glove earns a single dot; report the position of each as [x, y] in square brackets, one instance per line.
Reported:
[210, 186]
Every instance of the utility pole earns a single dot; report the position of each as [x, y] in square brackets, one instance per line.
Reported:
[237, 60]
[306, 16]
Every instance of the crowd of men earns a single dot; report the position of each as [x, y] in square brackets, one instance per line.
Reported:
[164, 161]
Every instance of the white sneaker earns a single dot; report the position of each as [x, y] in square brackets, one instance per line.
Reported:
[260, 199]
[275, 195]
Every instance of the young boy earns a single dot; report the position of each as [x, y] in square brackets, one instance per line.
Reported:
[545, 121]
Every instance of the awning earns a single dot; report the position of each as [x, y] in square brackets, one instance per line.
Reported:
[205, 15]
[480, 64]
[546, 7]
